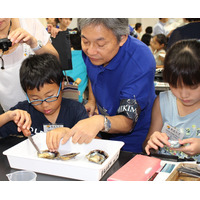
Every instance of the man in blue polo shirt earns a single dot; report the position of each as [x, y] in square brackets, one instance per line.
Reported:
[121, 84]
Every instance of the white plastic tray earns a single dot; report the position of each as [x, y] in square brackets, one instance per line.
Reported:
[24, 156]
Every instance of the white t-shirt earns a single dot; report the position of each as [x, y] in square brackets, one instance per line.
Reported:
[157, 54]
[11, 91]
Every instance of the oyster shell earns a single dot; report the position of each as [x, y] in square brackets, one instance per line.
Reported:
[174, 143]
[97, 156]
[48, 155]
[56, 155]
[68, 156]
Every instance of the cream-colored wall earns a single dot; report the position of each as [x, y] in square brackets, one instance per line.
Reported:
[73, 23]
[43, 21]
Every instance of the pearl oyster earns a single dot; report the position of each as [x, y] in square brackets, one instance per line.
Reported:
[97, 156]
[68, 156]
[174, 143]
[56, 155]
[48, 155]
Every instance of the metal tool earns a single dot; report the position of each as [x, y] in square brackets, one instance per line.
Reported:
[33, 143]
[192, 171]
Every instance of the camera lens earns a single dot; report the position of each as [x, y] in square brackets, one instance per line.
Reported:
[5, 44]
[5, 47]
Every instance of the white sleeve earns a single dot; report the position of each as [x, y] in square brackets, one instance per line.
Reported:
[162, 53]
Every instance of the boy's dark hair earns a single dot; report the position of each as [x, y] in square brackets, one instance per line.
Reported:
[36, 70]
[182, 63]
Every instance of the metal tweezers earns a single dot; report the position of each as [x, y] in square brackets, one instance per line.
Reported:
[172, 158]
[190, 171]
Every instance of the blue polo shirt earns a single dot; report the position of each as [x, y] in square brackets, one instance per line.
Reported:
[129, 75]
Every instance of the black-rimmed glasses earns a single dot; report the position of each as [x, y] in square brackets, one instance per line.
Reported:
[48, 99]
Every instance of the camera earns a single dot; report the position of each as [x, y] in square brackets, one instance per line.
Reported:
[5, 43]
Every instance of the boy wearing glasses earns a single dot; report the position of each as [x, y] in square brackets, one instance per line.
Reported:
[42, 78]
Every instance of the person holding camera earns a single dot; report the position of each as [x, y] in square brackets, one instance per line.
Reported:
[19, 38]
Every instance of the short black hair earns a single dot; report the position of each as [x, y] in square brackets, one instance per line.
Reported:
[36, 70]
[137, 25]
[149, 29]
[146, 38]
[182, 63]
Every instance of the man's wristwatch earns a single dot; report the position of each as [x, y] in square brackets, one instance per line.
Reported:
[39, 45]
[107, 125]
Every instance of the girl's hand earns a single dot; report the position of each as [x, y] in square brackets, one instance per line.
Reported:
[54, 136]
[21, 36]
[192, 149]
[156, 140]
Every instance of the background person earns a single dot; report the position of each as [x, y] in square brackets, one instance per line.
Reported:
[191, 30]
[138, 29]
[158, 45]
[53, 21]
[28, 36]
[146, 38]
[63, 24]
[159, 28]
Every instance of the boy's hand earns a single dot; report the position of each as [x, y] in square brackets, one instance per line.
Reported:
[54, 136]
[26, 132]
[156, 140]
[192, 149]
[22, 119]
